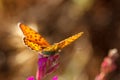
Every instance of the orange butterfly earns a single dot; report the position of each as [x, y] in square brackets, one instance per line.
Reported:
[36, 42]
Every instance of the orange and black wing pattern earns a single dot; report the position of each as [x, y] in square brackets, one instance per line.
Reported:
[63, 43]
[32, 39]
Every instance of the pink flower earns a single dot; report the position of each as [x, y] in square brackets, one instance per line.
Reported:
[55, 78]
[31, 78]
[46, 65]
[108, 65]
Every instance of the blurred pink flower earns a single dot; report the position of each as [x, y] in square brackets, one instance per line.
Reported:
[46, 65]
[108, 65]
[55, 78]
[31, 78]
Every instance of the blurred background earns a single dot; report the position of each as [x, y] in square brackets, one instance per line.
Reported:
[57, 20]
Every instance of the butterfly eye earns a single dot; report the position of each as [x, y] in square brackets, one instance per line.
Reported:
[59, 50]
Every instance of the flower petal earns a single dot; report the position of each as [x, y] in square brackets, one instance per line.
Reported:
[55, 78]
[31, 78]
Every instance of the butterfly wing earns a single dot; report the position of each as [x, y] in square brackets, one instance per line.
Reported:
[63, 43]
[69, 40]
[32, 39]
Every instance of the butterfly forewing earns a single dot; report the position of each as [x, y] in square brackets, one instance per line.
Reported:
[63, 43]
[33, 39]
[69, 40]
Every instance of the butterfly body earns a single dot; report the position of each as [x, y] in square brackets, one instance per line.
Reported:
[36, 42]
[49, 52]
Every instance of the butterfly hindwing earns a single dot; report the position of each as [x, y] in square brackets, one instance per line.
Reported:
[33, 39]
[32, 45]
